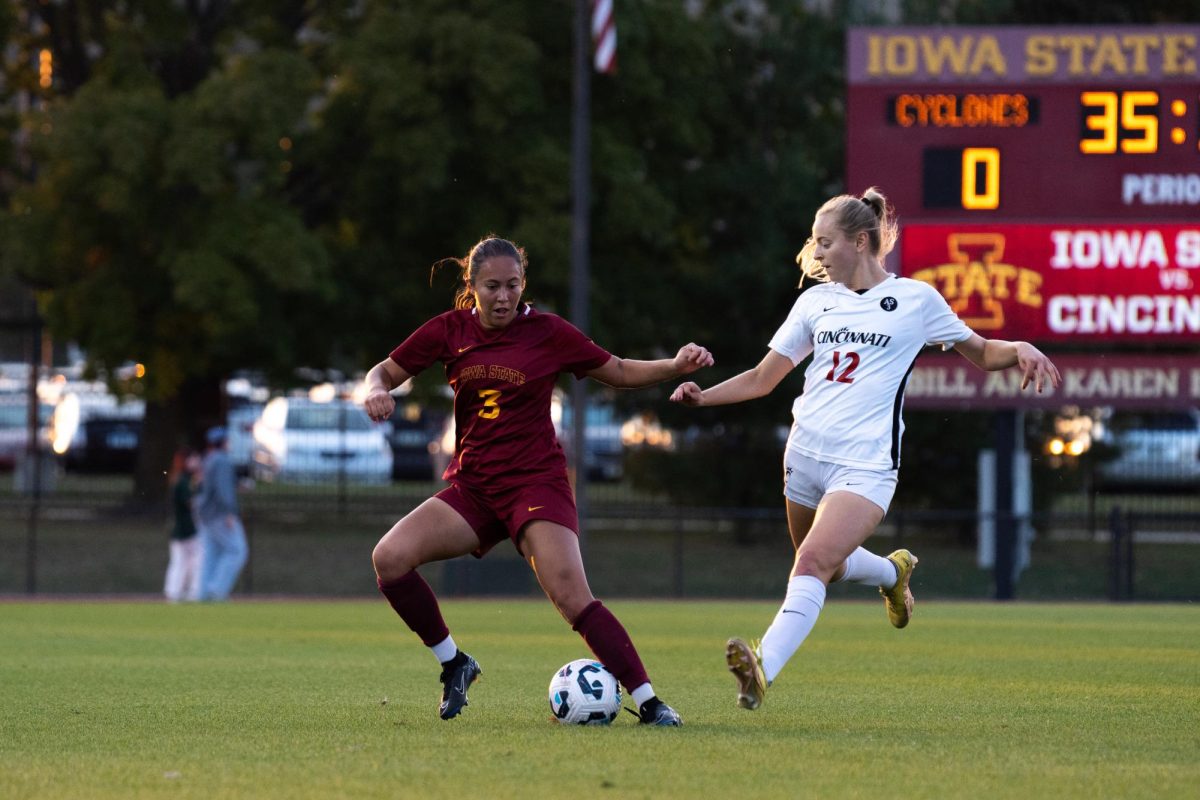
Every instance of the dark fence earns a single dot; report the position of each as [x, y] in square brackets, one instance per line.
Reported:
[93, 536]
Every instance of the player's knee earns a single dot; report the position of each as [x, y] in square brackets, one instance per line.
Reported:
[380, 561]
[569, 594]
[815, 564]
[390, 561]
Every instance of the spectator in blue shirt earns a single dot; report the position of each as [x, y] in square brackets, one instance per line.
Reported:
[222, 537]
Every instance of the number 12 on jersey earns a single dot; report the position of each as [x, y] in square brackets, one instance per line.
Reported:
[847, 369]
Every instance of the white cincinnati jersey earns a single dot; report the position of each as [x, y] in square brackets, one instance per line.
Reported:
[864, 347]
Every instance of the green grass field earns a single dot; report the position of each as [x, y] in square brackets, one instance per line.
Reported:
[337, 699]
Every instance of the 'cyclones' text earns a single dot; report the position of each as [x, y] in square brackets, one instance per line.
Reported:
[847, 336]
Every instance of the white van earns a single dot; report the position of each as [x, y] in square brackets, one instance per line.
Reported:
[297, 440]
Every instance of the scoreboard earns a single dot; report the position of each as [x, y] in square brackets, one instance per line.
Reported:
[1047, 179]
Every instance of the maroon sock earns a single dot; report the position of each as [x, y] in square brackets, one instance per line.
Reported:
[610, 643]
[416, 604]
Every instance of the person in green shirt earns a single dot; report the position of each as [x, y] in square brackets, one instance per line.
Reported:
[183, 568]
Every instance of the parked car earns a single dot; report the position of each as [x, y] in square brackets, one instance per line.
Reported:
[297, 440]
[110, 445]
[1154, 451]
[97, 432]
[14, 428]
[412, 432]
[604, 454]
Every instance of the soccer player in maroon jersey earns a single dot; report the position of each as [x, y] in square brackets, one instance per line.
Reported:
[508, 478]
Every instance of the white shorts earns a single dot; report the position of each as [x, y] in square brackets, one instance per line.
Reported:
[806, 481]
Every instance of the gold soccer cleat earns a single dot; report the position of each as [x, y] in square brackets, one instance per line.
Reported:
[746, 667]
[898, 600]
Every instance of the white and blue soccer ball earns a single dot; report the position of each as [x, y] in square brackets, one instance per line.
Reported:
[583, 692]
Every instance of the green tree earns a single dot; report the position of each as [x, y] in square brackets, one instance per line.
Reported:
[440, 123]
[156, 224]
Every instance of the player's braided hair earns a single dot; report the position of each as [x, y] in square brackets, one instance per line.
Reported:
[489, 246]
[853, 215]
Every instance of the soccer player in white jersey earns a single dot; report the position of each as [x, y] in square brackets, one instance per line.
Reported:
[864, 328]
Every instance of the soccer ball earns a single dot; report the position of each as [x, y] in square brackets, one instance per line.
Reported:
[583, 692]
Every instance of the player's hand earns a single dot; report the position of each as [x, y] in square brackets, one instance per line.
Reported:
[692, 357]
[689, 394]
[1036, 368]
[379, 405]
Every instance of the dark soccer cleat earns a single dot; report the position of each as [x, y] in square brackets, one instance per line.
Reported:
[457, 676]
[656, 712]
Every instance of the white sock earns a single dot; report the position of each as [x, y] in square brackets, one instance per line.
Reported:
[445, 649]
[792, 624]
[863, 566]
[642, 693]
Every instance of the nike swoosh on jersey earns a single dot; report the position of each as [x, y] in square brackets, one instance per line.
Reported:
[535, 508]
[464, 349]
[831, 308]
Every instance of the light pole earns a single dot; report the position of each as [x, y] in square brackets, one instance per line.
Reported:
[580, 239]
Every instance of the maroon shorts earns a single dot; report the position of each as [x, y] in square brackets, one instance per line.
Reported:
[499, 515]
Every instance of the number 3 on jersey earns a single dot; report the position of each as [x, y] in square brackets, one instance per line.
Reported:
[847, 370]
[491, 403]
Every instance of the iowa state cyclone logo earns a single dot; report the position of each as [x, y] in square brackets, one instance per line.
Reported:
[977, 282]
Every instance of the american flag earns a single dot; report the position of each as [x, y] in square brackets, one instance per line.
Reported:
[604, 36]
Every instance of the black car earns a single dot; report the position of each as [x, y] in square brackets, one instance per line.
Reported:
[108, 444]
[410, 437]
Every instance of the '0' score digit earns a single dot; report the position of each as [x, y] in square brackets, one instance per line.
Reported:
[961, 178]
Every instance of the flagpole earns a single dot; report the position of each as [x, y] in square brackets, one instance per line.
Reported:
[580, 239]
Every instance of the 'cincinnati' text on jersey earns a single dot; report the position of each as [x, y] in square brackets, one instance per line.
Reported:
[847, 336]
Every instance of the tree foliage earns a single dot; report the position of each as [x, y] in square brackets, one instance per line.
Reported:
[156, 224]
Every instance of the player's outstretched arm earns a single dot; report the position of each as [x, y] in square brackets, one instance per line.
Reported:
[748, 385]
[628, 373]
[383, 377]
[997, 354]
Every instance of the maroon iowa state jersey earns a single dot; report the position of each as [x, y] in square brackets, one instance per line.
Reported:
[502, 383]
